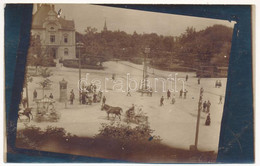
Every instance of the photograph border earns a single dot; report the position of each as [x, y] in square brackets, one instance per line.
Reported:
[236, 144]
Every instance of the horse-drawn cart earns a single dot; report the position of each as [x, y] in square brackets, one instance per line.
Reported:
[139, 117]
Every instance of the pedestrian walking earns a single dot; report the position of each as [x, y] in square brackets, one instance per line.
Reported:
[185, 93]
[208, 106]
[128, 92]
[207, 123]
[34, 94]
[187, 77]
[161, 101]
[199, 81]
[204, 106]
[168, 94]
[181, 91]
[220, 99]
[72, 96]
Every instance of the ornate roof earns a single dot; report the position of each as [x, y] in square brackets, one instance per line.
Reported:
[42, 14]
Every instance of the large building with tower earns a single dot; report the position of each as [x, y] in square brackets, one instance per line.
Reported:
[57, 35]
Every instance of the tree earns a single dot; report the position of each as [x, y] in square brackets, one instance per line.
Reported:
[45, 84]
[34, 57]
[205, 47]
[37, 55]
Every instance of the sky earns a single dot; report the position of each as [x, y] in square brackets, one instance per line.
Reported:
[129, 20]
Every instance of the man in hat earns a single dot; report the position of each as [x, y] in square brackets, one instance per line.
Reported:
[72, 96]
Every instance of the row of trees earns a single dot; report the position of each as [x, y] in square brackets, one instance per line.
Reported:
[206, 47]
[210, 46]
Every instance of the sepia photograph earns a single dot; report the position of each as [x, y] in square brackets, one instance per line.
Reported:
[124, 84]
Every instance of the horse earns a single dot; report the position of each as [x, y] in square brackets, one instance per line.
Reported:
[26, 112]
[112, 110]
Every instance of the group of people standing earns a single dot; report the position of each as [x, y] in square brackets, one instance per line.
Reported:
[168, 97]
[206, 106]
[86, 98]
[184, 92]
[218, 84]
[35, 94]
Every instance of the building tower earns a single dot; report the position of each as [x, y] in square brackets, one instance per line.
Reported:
[105, 26]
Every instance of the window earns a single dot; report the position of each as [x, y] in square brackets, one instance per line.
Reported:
[65, 39]
[52, 38]
[66, 51]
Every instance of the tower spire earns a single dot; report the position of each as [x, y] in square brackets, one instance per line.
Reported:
[105, 26]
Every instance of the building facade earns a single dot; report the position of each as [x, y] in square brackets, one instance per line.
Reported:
[57, 35]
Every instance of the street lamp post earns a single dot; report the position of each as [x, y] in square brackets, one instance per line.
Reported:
[146, 51]
[79, 46]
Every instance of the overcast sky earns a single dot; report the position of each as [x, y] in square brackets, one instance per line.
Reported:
[129, 20]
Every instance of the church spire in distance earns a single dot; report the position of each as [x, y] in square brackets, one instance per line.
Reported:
[105, 26]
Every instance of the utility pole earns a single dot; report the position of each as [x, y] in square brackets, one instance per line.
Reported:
[195, 147]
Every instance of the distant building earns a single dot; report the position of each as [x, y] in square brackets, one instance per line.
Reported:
[212, 71]
[222, 71]
[57, 34]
